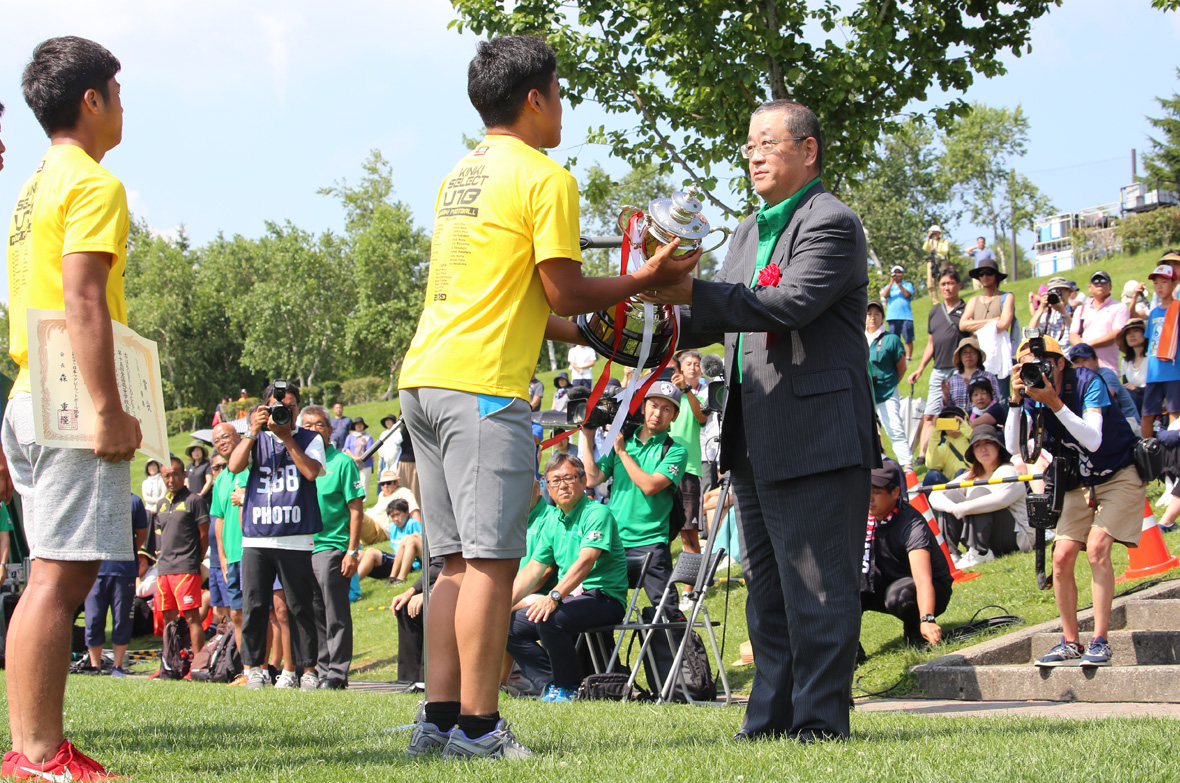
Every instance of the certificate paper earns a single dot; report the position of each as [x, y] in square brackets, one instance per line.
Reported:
[63, 413]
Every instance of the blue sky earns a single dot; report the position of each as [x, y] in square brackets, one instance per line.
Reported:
[235, 113]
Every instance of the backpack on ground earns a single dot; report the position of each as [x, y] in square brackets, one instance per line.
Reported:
[695, 672]
[218, 660]
[177, 655]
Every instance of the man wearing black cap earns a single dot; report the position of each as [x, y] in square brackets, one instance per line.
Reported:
[904, 572]
[1098, 321]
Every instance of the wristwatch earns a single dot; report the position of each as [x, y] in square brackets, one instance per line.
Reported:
[926, 618]
[353, 553]
[555, 596]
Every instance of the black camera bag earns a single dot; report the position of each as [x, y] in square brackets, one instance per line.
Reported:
[1149, 458]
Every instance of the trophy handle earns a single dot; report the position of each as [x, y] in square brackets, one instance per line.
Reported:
[725, 231]
[625, 216]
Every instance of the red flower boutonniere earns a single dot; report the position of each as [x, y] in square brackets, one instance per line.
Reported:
[770, 275]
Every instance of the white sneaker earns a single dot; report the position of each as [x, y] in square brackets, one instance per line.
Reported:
[967, 560]
[685, 603]
[977, 559]
[285, 680]
[257, 678]
[309, 681]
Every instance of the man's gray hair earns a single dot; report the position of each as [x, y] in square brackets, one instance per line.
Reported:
[315, 410]
[559, 458]
[690, 354]
[799, 121]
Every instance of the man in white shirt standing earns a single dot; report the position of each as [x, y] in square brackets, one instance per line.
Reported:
[582, 359]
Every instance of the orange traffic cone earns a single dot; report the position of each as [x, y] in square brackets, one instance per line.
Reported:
[1151, 557]
[918, 501]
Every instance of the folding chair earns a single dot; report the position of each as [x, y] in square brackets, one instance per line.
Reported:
[691, 569]
[636, 573]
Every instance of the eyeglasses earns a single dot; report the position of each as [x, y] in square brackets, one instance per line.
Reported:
[766, 145]
[562, 481]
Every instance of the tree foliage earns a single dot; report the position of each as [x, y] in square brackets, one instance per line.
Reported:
[241, 311]
[1163, 161]
[901, 195]
[692, 73]
[976, 167]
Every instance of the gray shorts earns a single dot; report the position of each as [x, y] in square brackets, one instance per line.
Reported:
[76, 506]
[475, 471]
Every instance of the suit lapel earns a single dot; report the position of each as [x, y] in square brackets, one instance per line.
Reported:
[782, 251]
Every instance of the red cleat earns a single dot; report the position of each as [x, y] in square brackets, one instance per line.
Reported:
[8, 768]
[70, 764]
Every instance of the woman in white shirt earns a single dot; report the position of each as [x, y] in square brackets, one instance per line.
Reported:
[992, 519]
[1132, 341]
[152, 490]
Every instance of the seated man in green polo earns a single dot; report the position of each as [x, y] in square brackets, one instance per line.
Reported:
[581, 539]
[646, 469]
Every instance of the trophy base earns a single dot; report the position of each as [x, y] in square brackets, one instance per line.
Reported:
[599, 331]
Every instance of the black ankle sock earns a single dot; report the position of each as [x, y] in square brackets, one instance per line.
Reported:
[475, 726]
[442, 714]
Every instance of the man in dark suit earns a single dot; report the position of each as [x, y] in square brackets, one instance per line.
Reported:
[790, 302]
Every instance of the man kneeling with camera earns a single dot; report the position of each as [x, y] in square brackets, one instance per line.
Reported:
[1093, 472]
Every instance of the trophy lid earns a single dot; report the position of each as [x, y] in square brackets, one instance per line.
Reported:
[680, 215]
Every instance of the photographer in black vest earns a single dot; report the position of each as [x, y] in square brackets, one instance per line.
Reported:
[1093, 454]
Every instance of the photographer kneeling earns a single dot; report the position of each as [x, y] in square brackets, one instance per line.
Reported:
[646, 467]
[903, 572]
[581, 539]
[1089, 439]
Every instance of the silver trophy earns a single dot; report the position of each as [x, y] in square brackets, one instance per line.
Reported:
[665, 219]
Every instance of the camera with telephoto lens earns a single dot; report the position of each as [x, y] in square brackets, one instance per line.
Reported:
[1053, 298]
[1037, 374]
[601, 415]
[280, 414]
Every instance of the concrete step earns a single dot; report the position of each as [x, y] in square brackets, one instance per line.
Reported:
[1153, 684]
[1153, 614]
[1128, 648]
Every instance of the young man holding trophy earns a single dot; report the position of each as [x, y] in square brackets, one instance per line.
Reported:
[505, 252]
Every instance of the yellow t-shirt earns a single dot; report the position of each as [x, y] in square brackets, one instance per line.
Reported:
[70, 205]
[504, 209]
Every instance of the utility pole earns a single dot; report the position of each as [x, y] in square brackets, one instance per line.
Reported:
[1134, 168]
[1012, 219]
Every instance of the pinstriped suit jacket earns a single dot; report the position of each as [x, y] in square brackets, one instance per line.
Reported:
[806, 396]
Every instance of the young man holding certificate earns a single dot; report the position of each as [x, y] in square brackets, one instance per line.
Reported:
[66, 251]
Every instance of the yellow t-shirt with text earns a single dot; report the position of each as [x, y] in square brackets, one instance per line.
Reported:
[504, 209]
[70, 205]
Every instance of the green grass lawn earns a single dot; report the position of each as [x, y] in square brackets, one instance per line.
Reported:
[179, 731]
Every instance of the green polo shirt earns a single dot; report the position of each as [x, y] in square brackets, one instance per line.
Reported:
[772, 222]
[539, 515]
[340, 484]
[687, 432]
[223, 508]
[588, 525]
[643, 520]
[5, 520]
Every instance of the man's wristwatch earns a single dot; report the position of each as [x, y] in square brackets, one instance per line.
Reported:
[555, 596]
[927, 618]
[353, 553]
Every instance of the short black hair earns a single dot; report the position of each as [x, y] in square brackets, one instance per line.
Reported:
[799, 121]
[398, 504]
[952, 273]
[504, 71]
[60, 73]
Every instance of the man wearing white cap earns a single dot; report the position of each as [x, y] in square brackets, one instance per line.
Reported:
[646, 467]
[899, 314]
[938, 250]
